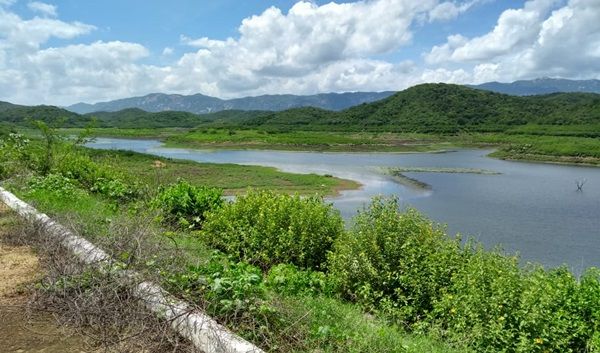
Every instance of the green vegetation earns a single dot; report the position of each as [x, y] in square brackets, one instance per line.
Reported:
[233, 178]
[186, 205]
[307, 140]
[443, 108]
[560, 127]
[265, 229]
[283, 271]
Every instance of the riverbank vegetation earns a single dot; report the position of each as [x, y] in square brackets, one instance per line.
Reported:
[560, 127]
[283, 271]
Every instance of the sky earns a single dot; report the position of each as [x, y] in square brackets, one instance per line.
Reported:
[67, 51]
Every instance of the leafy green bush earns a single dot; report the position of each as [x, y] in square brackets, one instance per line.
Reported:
[56, 184]
[13, 154]
[185, 205]
[290, 280]
[394, 261]
[266, 229]
[115, 189]
[229, 290]
[481, 303]
[99, 179]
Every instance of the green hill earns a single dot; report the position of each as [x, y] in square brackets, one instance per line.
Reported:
[137, 118]
[20, 115]
[444, 108]
[437, 108]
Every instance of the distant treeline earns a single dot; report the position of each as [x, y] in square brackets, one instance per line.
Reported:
[427, 108]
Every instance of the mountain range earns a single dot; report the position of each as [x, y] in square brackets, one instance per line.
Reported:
[541, 86]
[201, 104]
[441, 108]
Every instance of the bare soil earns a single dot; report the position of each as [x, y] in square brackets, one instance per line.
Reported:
[21, 329]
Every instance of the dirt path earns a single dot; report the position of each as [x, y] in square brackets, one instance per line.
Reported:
[22, 331]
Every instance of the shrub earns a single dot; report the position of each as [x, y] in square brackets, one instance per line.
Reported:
[551, 317]
[290, 280]
[229, 290]
[13, 154]
[480, 304]
[394, 261]
[55, 184]
[185, 205]
[99, 179]
[266, 229]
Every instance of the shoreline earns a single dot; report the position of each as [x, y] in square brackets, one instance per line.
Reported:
[497, 153]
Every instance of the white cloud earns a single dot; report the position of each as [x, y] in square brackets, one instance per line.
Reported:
[515, 28]
[309, 49]
[450, 10]
[42, 8]
[540, 39]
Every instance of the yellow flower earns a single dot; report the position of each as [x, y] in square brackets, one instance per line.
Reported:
[538, 341]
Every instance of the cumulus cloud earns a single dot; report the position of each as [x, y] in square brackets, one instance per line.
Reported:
[541, 39]
[42, 8]
[449, 10]
[515, 28]
[309, 49]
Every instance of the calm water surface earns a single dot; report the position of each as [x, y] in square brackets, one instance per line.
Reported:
[533, 209]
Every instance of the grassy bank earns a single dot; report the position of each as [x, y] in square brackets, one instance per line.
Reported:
[563, 144]
[232, 178]
[308, 140]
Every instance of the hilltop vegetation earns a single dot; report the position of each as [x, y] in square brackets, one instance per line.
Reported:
[444, 108]
[427, 108]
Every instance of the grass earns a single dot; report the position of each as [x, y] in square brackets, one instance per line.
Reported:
[233, 178]
[557, 149]
[308, 140]
[577, 144]
[335, 326]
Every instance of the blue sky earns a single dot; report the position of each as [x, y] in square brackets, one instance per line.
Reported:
[62, 52]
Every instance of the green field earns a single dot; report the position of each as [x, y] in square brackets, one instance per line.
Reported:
[232, 178]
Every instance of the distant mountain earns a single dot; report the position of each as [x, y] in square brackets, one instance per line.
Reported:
[201, 104]
[541, 86]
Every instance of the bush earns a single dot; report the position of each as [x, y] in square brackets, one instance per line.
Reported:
[266, 229]
[227, 289]
[14, 154]
[98, 179]
[55, 184]
[290, 280]
[480, 305]
[394, 261]
[186, 206]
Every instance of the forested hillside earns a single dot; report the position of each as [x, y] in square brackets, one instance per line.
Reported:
[435, 108]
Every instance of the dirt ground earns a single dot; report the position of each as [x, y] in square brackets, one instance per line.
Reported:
[21, 330]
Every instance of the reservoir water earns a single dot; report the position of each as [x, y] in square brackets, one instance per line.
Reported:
[529, 208]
